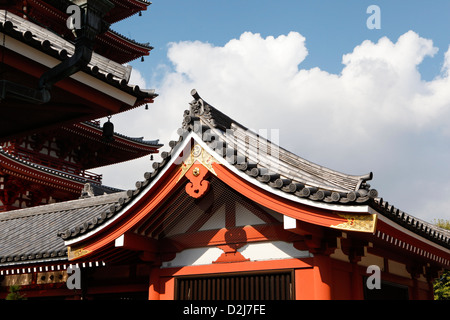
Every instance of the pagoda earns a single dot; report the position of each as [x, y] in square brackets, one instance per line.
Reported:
[55, 83]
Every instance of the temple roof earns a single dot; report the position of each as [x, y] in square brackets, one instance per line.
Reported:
[120, 48]
[35, 171]
[126, 8]
[289, 179]
[34, 230]
[87, 139]
[270, 163]
[51, 15]
[122, 8]
[291, 175]
[123, 148]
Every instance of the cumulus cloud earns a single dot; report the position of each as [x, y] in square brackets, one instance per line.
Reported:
[377, 114]
[136, 78]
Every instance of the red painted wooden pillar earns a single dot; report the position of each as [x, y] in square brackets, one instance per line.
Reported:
[322, 277]
[304, 284]
[154, 285]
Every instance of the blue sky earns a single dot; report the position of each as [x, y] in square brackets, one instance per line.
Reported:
[332, 28]
[362, 99]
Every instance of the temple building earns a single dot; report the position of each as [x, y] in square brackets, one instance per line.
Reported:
[55, 82]
[225, 215]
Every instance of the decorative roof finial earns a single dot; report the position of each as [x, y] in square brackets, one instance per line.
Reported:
[195, 94]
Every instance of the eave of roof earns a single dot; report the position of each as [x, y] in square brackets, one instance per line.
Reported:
[117, 14]
[76, 231]
[34, 230]
[146, 147]
[352, 200]
[39, 171]
[144, 47]
[137, 141]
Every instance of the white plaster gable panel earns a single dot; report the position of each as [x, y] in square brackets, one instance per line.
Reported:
[194, 257]
[245, 217]
[273, 250]
[217, 220]
[259, 251]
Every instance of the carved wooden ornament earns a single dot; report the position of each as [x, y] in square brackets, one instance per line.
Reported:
[196, 167]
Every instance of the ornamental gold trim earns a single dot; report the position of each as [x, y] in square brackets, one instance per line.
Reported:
[357, 222]
[198, 154]
[76, 253]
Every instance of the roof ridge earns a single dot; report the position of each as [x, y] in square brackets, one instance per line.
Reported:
[206, 113]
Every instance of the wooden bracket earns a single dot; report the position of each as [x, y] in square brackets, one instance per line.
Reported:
[353, 248]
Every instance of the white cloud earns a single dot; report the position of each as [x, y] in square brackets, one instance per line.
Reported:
[376, 115]
[136, 78]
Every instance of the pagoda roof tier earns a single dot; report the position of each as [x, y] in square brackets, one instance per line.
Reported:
[40, 174]
[111, 44]
[51, 43]
[125, 8]
[122, 148]
[99, 90]
[121, 49]
[122, 8]
[87, 138]
[307, 194]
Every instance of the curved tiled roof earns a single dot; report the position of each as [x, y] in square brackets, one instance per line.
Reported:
[125, 49]
[76, 218]
[203, 116]
[269, 163]
[30, 235]
[27, 165]
[119, 12]
[138, 140]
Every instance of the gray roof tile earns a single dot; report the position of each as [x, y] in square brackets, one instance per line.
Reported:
[31, 234]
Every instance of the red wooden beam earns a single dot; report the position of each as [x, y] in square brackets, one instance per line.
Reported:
[135, 242]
